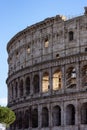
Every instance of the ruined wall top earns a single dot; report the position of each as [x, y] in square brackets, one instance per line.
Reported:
[85, 8]
[40, 25]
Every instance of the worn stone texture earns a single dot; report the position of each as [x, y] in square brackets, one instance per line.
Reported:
[40, 51]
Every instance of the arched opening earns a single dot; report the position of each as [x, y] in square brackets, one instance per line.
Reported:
[17, 54]
[34, 118]
[45, 117]
[20, 120]
[46, 43]
[26, 119]
[56, 116]
[28, 49]
[36, 84]
[70, 115]
[27, 82]
[57, 83]
[84, 113]
[45, 82]
[71, 35]
[84, 76]
[71, 78]
[21, 88]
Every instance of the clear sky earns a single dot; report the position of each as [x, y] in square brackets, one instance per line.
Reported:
[15, 15]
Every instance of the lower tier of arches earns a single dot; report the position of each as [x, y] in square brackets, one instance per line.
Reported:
[58, 115]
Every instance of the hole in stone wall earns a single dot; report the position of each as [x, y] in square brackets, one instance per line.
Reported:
[85, 49]
[57, 55]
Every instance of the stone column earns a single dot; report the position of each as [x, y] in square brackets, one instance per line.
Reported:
[9, 92]
[78, 113]
[50, 81]
[14, 90]
[50, 115]
[63, 79]
[78, 84]
[40, 81]
[62, 114]
[18, 88]
[39, 116]
[14, 93]
[31, 84]
[30, 117]
[24, 86]
[23, 112]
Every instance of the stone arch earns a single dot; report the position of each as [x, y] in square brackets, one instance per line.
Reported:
[20, 119]
[21, 87]
[56, 116]
[45, 117]
[26, 119]
[45, 82]
[84, 76]
[36, 87]
[71, 77]
[57, 83]
[27, 84]
[70, 115]
[35, 118]
[84, 113]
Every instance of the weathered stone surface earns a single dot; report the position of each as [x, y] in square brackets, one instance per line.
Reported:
[47, 77]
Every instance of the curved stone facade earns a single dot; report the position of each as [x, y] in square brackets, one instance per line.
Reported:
[47, 78]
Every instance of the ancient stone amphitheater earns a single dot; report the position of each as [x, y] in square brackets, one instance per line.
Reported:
[47, 78]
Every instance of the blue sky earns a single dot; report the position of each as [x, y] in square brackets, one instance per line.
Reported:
[15, 15]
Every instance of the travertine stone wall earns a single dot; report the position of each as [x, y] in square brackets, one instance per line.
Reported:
[49, 53]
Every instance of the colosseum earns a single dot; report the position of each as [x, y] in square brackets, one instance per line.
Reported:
[47, 77]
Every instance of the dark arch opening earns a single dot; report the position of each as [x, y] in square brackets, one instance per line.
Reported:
[26, 119]
[21, 88]
[56, 116]
[45, 117]
[70, 115]
[71, 35]
[27, 86]
[34, 118]
[20, 120]
[36, 84]
[84, 113]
